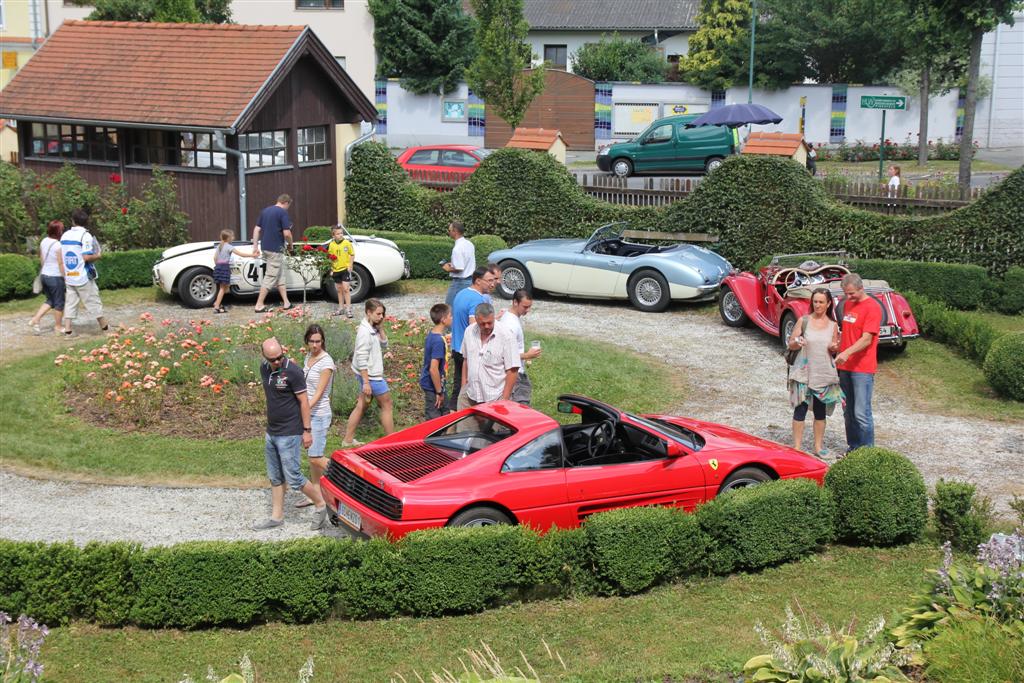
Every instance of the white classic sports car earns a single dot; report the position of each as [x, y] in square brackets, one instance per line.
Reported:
[187, 270]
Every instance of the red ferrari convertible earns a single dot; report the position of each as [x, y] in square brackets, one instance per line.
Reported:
[780, 293]
[505, 463]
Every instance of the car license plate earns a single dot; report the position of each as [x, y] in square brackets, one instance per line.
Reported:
[350, 516]
[885, 331]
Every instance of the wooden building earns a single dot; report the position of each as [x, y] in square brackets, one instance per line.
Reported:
[540, 140]
[790, 145]
[196, 100]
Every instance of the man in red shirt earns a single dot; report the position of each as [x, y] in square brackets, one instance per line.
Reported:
[858, 360]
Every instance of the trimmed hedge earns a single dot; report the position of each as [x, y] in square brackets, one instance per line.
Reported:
[971, 335]
[432, 572]
[1004, 365]
[117, 269]
[16, 275]
[960, 286]
[759, 204]
[764, 525]
[880, 498]
[1011, 299]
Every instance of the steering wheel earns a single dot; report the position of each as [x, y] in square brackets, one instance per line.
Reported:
[792, 275]
[600, 439]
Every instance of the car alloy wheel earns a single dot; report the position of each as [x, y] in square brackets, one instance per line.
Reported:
[744, 478]
[513, 279]
[197, 288]
[731, 309]
[648, 291]
[202, 287]
[786, 329]
[622, 168]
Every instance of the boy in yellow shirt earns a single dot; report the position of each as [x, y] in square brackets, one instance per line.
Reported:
[344, 255]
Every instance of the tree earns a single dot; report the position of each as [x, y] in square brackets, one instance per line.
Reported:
[173, 11]
[977, 17]
[426, 43]
[717, 53]
[619, 59]
[497, 73]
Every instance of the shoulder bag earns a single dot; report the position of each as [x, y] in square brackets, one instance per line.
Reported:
[37, 284]
[791, 354]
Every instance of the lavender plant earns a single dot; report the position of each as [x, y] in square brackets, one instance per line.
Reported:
[247, 673]
[20, 647]
[991, 587]
[807, 649]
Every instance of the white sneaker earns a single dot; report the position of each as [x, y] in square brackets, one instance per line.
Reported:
[35, 328]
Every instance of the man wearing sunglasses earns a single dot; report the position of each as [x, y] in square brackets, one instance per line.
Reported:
[288, 429]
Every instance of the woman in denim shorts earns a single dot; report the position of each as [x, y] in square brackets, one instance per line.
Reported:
[319, 371]
[52, 275]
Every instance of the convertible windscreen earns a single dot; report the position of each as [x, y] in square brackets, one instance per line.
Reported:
[689, 438]
[469, 434]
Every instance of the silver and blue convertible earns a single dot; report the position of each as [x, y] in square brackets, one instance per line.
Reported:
[606, 266]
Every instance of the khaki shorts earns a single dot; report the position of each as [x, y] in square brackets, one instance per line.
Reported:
[85, 296]
[275, 269]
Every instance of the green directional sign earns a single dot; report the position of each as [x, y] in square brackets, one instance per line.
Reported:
[882, 102]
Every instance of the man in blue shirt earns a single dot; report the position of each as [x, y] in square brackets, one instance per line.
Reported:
[275, 226]
[466, 302]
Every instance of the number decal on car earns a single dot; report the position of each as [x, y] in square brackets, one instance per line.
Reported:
[254, 271]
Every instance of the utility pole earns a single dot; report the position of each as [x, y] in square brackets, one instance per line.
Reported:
[753, 31]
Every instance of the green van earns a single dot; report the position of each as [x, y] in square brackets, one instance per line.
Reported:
[668, 146]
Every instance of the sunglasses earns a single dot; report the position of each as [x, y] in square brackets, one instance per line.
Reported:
[275, 360]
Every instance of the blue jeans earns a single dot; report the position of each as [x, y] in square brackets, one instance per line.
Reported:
[860, 425]
[320, 425]
[458, 284]
[283, 454]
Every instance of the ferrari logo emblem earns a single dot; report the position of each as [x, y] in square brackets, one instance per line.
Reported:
[713, 463]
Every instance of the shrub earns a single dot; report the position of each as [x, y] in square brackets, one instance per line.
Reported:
[974, 651]
[1011, 298]
[15, 222]
[960, 517]
[119, 269]
[1004, 366]
[107, 583]
[880, 497]
[767, 524]
[562, 566]
[618, 59]
[41, 580]
[634, 549]
[464, 569]
[53, 196]
[16, 275]
[759, 204]
[959, 286]
[969, 334]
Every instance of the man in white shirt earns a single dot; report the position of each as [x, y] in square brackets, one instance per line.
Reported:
[79, 250]
[462, 264]
[492, 362]
[522, 302]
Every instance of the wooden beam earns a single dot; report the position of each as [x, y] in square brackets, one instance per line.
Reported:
[672, 236]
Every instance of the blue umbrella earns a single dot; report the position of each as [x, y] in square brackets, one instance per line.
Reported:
[735, 115]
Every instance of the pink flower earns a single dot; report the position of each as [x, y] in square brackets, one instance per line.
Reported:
[115, 178]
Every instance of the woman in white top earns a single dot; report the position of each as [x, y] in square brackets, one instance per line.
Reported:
[894, 181]
[368, 366]
[51, 271]
[319, 371]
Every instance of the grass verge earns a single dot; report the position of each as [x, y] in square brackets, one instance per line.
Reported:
[701, 630]
[110, 297]
[908, 168]
[42, 436]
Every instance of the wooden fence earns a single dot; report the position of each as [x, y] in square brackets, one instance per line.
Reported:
[917, 200]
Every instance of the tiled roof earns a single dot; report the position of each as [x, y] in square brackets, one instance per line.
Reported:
[534, 138]
[611, 15]
[774, 144]
[182, 75]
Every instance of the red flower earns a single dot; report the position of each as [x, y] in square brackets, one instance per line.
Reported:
[124, 210]
[307, 247]
[332, 257]
[115, 178]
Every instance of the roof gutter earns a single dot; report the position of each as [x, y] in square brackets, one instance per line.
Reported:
[220, 144]
[352, 145]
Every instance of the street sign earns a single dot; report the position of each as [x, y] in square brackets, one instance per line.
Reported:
[882, 102]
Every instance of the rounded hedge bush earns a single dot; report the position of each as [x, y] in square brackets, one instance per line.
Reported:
[16, 275]
[1004, 365]
[1011, 300]
[880, 497]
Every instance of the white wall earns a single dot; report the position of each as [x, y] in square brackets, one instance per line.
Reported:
[1000, 117]
[346, 32]
[574, 40]
[416, 119]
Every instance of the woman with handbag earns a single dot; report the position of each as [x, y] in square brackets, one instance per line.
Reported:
[813, 379]
[51, 278]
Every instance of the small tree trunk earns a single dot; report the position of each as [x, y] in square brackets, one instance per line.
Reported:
[922, 126]
[970, 104]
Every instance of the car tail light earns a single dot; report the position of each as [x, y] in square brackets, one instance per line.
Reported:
[906, 314]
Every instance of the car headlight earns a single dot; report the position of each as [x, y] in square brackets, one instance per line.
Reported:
[603, 151]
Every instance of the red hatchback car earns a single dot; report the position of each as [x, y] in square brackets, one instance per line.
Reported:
[505, 463]
[424, 161]
[780, 293]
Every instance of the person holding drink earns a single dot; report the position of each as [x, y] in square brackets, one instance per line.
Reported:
[522, 302]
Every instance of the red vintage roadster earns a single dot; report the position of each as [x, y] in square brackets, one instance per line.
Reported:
[506, 463]
[776, 297]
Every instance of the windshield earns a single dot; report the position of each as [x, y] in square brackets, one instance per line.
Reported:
[692, 440]
[605, 232]
[483, 153]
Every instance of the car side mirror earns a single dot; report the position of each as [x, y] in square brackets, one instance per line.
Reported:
[674, 450]
[565, 407]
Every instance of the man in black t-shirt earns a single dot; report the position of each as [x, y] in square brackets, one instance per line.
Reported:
[288, 429]
[275, 227]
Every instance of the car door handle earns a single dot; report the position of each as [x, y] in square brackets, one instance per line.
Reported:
[613, 263]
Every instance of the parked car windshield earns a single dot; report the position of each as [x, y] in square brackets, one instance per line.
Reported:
[606, 232]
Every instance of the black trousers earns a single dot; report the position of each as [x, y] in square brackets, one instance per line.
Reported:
[457, 361]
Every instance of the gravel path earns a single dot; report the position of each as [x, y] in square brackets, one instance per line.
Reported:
[735, 376]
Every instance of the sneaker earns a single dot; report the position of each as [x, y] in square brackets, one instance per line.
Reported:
[348, 314]
[69, 333]
[319, 519]
[338, 313]
[269, 523]
[824, 453]
[35, 329]
[351, 444]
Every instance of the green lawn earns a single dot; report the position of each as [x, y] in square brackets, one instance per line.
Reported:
[907, 168]
[1005, 323]
[41, 434]
[701, 630]
[110, 297]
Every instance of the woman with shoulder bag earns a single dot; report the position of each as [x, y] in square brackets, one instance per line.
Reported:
[813, 379]
[51, 273]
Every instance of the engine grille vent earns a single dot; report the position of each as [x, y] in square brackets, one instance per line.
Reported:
[407, 462]
[363, 491]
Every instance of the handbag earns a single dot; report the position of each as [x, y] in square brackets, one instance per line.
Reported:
[791, 354]
[37, 284]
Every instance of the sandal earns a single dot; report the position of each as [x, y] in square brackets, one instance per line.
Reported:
[262, 310]
[338, 313]
[288, 307]
[220, 310]
[304, 503]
